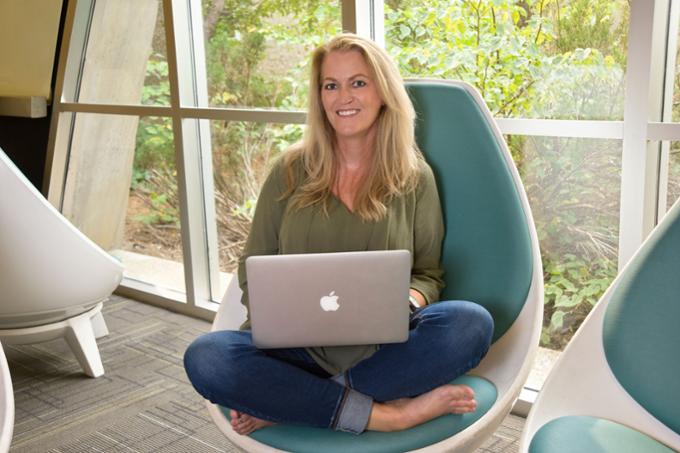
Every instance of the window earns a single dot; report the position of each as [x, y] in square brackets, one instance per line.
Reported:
[242, 154]
[257, 52]
[165, 94]
[121, 57]
[573, 189]
[543, 60]
[192, 100]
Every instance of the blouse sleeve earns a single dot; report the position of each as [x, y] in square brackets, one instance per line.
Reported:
[263, 238]
[428, 231]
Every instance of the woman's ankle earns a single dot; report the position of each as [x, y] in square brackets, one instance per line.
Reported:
[409, 412]
[386, 418]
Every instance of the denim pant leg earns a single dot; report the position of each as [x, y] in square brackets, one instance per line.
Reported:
[279, 385]
[446, 340]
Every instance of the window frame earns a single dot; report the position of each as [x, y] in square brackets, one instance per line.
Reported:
[647, 125]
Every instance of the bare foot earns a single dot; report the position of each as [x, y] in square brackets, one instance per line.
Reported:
[406, 413]
[245, 424]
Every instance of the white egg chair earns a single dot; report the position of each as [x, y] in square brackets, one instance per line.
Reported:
[53, 279]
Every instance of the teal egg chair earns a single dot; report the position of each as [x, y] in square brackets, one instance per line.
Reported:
[490, 255]
[616, 386]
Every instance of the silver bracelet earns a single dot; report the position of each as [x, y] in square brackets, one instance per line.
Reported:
[413, 303]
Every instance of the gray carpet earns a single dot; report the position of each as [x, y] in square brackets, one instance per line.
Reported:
[143, 403]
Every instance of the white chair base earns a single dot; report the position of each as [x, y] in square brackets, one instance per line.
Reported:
[80, 332]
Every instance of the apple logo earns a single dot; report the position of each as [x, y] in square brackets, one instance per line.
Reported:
[330, 302]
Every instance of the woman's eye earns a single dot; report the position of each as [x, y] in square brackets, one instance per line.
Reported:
[329, 86]
[359, 83]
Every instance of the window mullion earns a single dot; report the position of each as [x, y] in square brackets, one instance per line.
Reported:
[187, 152]
[669, 82]
[639, 164]
[365, 18]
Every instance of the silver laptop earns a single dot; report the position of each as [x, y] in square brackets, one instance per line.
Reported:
[329, 299]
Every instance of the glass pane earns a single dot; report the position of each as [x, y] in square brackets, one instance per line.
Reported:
[561, 60]
[573, 187]
[242, 155]
[257, 52]
[121, 191]
[673, 175]
[125, 55]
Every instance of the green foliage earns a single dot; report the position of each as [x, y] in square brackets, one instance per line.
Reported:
[162, 211]
[250, 45]
[494, 45]
[154, 144]
[154, 135]
[587, 24]
[156, 86]
[139, 177]
[573, 189]
[572, 287]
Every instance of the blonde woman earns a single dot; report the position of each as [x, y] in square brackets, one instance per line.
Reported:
[356, 181]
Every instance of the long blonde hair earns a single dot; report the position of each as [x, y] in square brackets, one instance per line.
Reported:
[394, 167]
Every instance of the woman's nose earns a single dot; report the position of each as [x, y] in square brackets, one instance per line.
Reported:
[346, 95]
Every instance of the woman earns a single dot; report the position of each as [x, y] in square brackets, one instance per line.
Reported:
[355, 182]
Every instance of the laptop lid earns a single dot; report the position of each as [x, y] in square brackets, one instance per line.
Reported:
[329, 299]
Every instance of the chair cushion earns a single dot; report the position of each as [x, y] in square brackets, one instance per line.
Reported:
[640, 330]
[579, 434]
[487, 246]
[302, 439]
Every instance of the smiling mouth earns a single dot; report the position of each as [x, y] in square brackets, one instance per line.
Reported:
[350, 112]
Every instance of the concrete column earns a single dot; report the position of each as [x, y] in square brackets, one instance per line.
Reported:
[103, 146]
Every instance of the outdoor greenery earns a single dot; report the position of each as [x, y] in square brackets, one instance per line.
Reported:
[562, 59]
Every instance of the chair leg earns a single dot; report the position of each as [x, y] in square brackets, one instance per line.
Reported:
[81, 338]
[99, 325]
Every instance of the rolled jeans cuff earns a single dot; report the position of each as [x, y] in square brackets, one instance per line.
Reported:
[354, 412]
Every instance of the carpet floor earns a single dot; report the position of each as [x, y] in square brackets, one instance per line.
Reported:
[143, 403]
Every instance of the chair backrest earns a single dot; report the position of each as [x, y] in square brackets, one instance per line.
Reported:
[622, 364]
[641, 329]
[487, 251]
[46, 264]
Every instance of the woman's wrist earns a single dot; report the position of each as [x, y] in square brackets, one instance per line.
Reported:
[416, 300]
[418, 296]
[414, 304]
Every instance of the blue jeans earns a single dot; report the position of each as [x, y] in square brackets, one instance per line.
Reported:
[446, 340]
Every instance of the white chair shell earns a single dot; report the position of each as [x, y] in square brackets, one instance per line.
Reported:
[52, 277]
[581, 383]
[6, 404]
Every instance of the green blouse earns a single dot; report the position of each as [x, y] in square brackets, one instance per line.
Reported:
[413, 222]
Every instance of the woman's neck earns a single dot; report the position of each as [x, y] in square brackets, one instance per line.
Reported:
[354, 155]
[354, 163]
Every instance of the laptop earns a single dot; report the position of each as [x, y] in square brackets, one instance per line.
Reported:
[329, 299]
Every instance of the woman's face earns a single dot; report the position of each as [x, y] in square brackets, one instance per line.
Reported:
[349, 95]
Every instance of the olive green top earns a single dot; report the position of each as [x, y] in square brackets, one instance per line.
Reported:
[413, 222]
